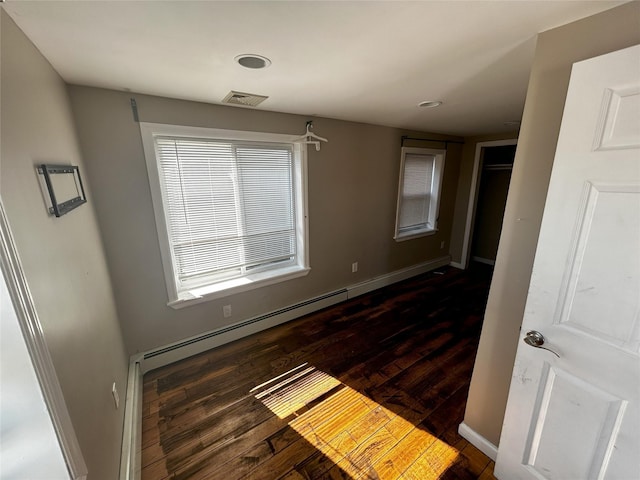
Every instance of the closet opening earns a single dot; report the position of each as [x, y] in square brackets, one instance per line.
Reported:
[489, 188]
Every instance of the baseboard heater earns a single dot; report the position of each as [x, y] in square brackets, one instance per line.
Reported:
[201, 343]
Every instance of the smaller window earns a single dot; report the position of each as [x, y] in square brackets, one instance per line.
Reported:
[419, 188]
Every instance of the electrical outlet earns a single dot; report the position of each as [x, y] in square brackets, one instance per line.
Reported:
[116, 397]
[226, 311]
[441, 244]
[354, 267]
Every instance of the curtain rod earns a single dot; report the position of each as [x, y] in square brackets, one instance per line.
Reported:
[446, 142]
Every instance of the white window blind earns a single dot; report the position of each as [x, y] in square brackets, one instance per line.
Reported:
[419, 184]
[229, 205]
[416, 192]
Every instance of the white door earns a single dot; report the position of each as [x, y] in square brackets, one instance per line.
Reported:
[577, 416]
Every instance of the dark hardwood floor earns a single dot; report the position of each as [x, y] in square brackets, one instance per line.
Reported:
[373, 388]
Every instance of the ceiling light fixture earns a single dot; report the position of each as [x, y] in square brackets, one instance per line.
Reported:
[430, 103]
[250, 60]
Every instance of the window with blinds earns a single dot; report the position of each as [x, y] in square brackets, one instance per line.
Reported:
[418, 192]
[229, 208]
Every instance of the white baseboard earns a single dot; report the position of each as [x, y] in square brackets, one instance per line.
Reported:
[478, 441]
[131, 456]
[486, 261]
[457, 265]
[397, 276]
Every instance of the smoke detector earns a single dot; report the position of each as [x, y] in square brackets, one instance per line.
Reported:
[244, 99]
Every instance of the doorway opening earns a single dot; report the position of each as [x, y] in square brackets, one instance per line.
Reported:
[489, 188]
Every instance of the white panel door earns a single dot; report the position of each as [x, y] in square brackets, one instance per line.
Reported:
[577, 415]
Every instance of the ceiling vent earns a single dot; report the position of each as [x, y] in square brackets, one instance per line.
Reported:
[245, 99]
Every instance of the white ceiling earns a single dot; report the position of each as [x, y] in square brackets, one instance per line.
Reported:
[362, 61]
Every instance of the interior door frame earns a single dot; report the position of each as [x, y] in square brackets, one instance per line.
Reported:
[474, 189]
[38, 351]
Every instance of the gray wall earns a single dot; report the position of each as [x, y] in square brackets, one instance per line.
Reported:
[63, 258]
[556, 51]
[352, 198]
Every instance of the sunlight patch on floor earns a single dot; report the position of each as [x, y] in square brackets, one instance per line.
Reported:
[361, 437]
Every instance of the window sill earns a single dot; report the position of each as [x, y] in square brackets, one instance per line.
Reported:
[236, 285]
[417, 234]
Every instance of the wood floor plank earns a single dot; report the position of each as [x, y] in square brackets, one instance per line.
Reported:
[487, 473]
[406, 451]
[328, 455]
[372, 388]
[151, 454]
[156, 470]
[471, 461]
[209, 455]
[449, 414]
[433, 463]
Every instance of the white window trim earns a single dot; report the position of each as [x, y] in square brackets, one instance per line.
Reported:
[236, 285]
[436, 189]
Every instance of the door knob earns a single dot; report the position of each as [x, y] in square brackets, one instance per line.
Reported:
[536, 339]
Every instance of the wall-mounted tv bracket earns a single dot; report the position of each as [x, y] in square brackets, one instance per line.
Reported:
[62, 203]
